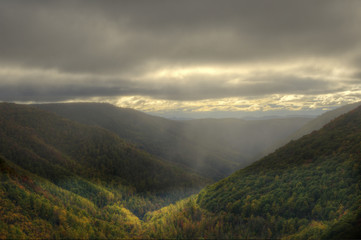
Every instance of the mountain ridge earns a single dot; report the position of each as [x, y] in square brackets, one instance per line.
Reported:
[57, 148]
[213, 148]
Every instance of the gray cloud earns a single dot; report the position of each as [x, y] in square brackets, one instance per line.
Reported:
[197, 87]
[127, 39]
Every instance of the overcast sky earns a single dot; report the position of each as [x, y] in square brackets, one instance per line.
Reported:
[183, 56]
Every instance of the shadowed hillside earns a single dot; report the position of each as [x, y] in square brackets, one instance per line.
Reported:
[75, 157]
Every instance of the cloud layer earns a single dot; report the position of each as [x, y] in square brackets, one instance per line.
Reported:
[187, 52]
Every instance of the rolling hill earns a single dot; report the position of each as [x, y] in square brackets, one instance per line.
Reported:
[212, 147]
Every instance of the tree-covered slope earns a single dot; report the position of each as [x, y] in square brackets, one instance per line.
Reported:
[61, 150]
[308, 189]
[212, 147]
[32, 207]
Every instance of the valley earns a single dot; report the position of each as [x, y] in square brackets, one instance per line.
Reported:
[93, 176]
[186, 120]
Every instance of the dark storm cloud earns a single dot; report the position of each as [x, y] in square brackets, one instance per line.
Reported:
[32, 89]
[128, 39]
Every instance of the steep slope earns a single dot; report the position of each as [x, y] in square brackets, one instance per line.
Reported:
[60, 150]
[308, 189]
[212, 147]
[316, 178]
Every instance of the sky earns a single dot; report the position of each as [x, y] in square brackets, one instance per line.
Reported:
[183, 58]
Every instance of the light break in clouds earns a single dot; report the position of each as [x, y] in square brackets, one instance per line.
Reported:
[185, 56]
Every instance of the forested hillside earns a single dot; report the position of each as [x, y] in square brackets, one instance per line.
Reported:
[32, 207]
[308, 189]
[212, 147]
[76, 157]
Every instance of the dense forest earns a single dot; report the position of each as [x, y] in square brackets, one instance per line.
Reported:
[63, 179]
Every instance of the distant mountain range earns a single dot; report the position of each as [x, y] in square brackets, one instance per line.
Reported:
[213, 148]
[313, 125]
[322, 120]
